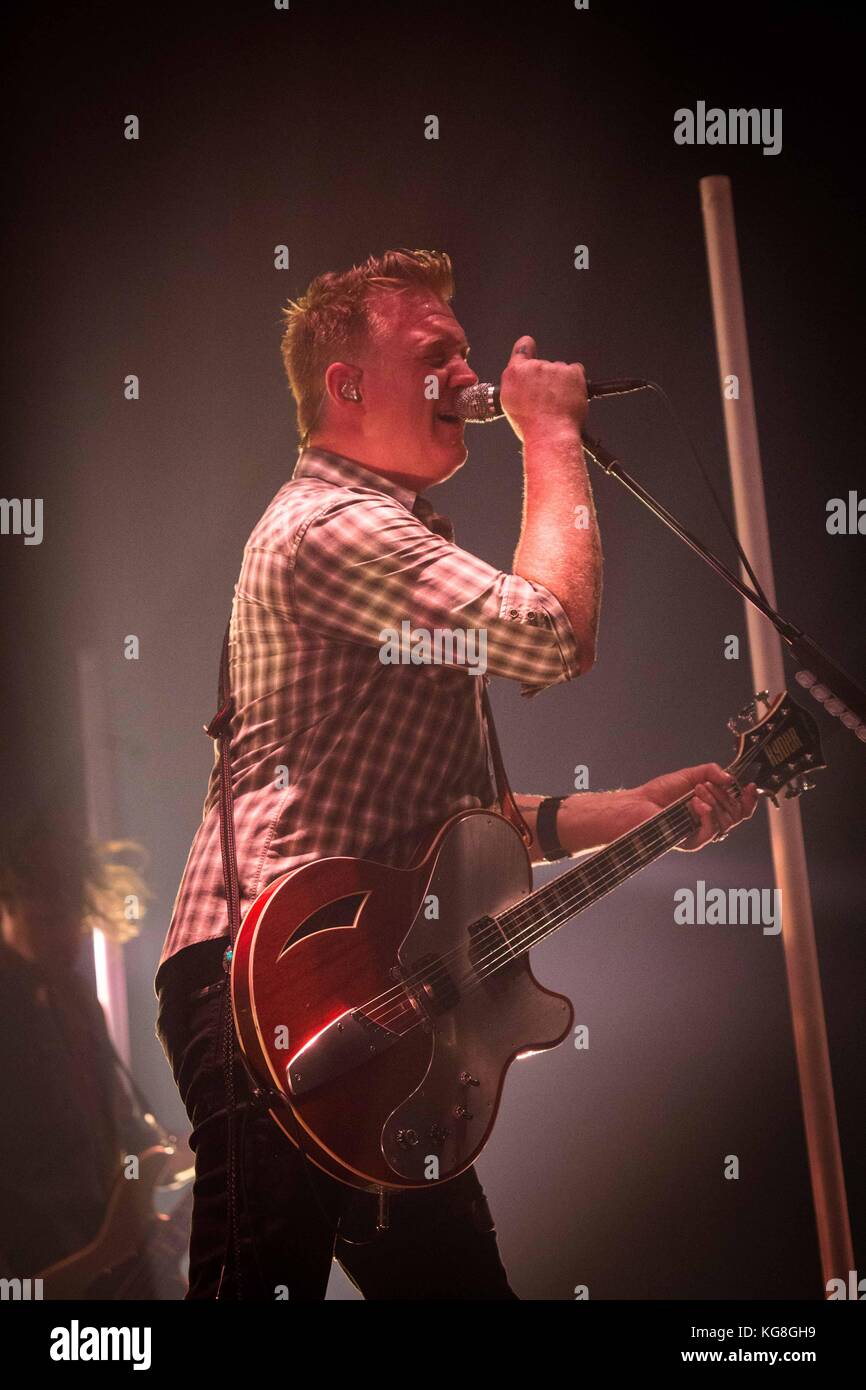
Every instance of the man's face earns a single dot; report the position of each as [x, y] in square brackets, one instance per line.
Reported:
[412, 370]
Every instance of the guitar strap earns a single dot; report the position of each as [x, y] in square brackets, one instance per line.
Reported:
[442, 526]
[510, 809]
[219, 728]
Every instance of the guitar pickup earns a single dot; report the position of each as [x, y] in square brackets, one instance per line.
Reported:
[431, 986]
[346, 1043]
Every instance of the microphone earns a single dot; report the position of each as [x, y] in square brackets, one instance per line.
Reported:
[480, 403]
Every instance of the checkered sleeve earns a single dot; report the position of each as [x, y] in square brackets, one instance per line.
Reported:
[363, 566]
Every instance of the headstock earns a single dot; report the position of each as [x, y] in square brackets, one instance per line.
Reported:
[779, 749]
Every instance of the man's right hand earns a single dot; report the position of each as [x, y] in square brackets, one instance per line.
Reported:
[541, 397]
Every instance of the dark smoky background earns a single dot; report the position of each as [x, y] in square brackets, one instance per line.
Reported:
[306, 127]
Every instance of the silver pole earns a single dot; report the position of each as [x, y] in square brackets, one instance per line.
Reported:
[786, 830]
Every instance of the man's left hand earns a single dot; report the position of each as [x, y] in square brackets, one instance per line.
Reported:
[714, 803]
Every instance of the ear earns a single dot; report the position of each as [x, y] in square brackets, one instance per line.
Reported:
[343, 383]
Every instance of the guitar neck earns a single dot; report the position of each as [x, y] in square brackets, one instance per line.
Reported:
[775, 752]
[547, 909]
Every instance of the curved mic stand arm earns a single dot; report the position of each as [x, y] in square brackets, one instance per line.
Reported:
[829, 684]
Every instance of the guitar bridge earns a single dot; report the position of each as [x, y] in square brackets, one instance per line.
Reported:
[351, 1039]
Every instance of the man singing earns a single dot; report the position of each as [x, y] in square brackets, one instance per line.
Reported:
[336, 751]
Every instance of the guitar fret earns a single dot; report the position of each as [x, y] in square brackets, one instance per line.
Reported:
[593, 873]
[590, 880]
[647, 842]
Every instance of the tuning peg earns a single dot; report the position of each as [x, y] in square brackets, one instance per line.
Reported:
[747, 717]
[798, 785]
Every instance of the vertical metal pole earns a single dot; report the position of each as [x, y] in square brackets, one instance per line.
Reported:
[786, 831]
[101, 823]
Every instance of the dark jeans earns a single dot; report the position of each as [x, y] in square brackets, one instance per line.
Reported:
[293, 1218]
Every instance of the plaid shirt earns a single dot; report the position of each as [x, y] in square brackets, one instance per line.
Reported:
[336, 751]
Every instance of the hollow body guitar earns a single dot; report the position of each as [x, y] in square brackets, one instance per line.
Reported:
[379, 1009]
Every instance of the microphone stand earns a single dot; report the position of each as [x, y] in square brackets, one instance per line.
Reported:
[828, 683]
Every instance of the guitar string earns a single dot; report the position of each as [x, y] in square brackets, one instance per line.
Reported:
[586, 892]
[556, 920]
[628, 865]
[568, 905]
[470, 983]
[398, 1004]
[517, 944]
[567, 908]
[606, 884]
[396, 995]
[518, 914]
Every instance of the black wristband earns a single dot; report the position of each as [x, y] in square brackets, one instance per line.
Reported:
[545, 828]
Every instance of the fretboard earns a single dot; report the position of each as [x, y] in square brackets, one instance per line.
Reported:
[548, 908]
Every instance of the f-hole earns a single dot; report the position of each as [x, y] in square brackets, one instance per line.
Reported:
[342, 912]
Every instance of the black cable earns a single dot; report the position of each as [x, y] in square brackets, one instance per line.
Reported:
[268, 1098]
[729, 527]
[233, 1241]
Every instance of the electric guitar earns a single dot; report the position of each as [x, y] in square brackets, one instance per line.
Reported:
[378, 1009]
[134, 1249]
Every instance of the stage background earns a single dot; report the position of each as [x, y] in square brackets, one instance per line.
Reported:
[306, 127]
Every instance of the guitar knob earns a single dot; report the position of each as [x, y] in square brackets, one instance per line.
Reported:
[407, 1138]
[467, 1079]
[461, 1113]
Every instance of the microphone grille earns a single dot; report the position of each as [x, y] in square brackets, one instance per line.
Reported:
[479, 403]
